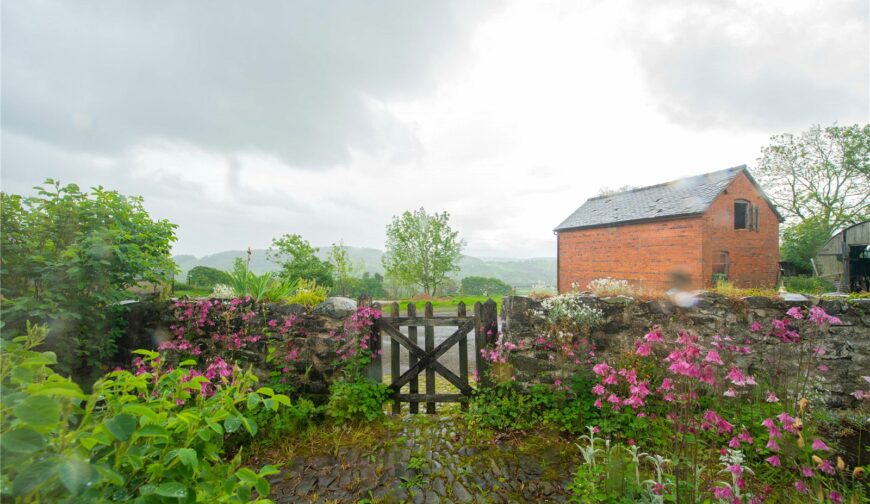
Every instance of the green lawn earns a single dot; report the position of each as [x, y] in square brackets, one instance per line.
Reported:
[443, 305]
[191, 292]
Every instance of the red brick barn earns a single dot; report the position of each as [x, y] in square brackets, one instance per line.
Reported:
[716, 225]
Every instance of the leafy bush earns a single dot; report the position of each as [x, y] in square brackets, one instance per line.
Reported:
[570, 315]
[147, 436]
[204, 276]
[484, 286]
[299, 261]
[357, 400]
[610, 287]
[807, 284]
[309, 294]
[69, 257]
[266, 287]
[505, 406]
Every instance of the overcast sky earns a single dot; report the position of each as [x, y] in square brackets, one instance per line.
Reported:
[241, 121]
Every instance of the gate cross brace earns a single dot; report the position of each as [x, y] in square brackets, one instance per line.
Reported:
[429, 359]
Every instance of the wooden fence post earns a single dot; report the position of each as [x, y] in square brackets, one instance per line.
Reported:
[414, 384]
[488, 336]
[463, 353]
[429, 331]
[394, 356]
[480, 362]
[374, 370]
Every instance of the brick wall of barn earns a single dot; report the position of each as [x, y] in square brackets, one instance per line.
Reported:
[644, 254]
[753, 255]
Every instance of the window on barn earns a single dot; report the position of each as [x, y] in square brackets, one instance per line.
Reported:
[741, 214]
[721, 266]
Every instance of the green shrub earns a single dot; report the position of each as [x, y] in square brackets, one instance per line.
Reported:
[484, 286]
[204, 276]
[357, 400]
[308, 294]
[807, 284]
[69, 257]
[267, 287]
[152, 436]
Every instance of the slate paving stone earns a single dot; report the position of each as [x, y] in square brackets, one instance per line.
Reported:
[452, 472]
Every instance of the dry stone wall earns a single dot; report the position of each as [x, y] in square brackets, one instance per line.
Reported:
[627, 319]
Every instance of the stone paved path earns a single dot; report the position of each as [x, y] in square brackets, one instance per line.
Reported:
[429, 461]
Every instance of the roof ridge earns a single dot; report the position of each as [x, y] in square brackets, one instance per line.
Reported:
[644, 188]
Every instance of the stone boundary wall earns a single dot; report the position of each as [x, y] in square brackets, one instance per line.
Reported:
[148, 324]
[628, 319]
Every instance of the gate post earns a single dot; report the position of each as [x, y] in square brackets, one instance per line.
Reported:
[486, 335]
[373, 370]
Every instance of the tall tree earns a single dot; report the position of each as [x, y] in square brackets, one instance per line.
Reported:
[342, 268]
[822, 174]
[422, 249]
[298, 260]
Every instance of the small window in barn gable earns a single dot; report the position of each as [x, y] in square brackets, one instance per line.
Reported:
[721, 267]
[741, 214]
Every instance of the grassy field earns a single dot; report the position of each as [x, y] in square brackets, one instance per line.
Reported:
[442, 305]
[191, 292]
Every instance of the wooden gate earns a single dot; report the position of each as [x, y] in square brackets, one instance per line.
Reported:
[483, 323]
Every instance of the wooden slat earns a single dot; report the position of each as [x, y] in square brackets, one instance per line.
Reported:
[478, 344]
[430, 347]
[427, 359]
[428, 321]
[414, 384]
[489, 330]
[374, 370]
[463, 352]
[394, 356]
[418, 398]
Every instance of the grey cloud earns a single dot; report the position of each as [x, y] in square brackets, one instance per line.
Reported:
[730, 65]
[292, 78]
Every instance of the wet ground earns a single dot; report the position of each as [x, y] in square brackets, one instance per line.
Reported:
[431, 459]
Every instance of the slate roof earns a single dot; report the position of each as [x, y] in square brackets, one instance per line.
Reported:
[683, 197]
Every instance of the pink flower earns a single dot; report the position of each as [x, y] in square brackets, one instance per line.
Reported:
[557, 382]
[643, 350]
[734, 443]
[801, 487]
[598, 389]
[795, 313]
[820, 445]
[755, 327]
[713, 357]
[597, 403]
[835, 497]
[730, 392]
[771, 397]
[666, 385]
[826, 467]
[773, 460]
[772, 445]
[807, 472]
[745, 437]
[823, 368]
[768, 423]
[722, 492]
[601, 369]
[654, 336]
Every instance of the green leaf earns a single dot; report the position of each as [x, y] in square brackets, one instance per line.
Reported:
[32, 476]
[38, 411]
[111, 476]
[233, 423]
[282, 399]
[121, 426]
[250, 425]
[187, 363]
[153, 431]
[65, 389]
[253, 401]
[246, 475]
[138, 409]
[77, 475]
[188, 457]
[22, 441]
[171, 489]
[262, 487]
[266, 391]
[146, 353]
[268, 470]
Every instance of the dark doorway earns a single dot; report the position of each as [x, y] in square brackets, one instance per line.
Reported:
[859, 268]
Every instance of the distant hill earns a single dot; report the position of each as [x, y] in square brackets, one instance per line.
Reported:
[516, 272]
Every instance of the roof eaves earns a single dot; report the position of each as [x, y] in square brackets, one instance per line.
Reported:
[629, 222]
